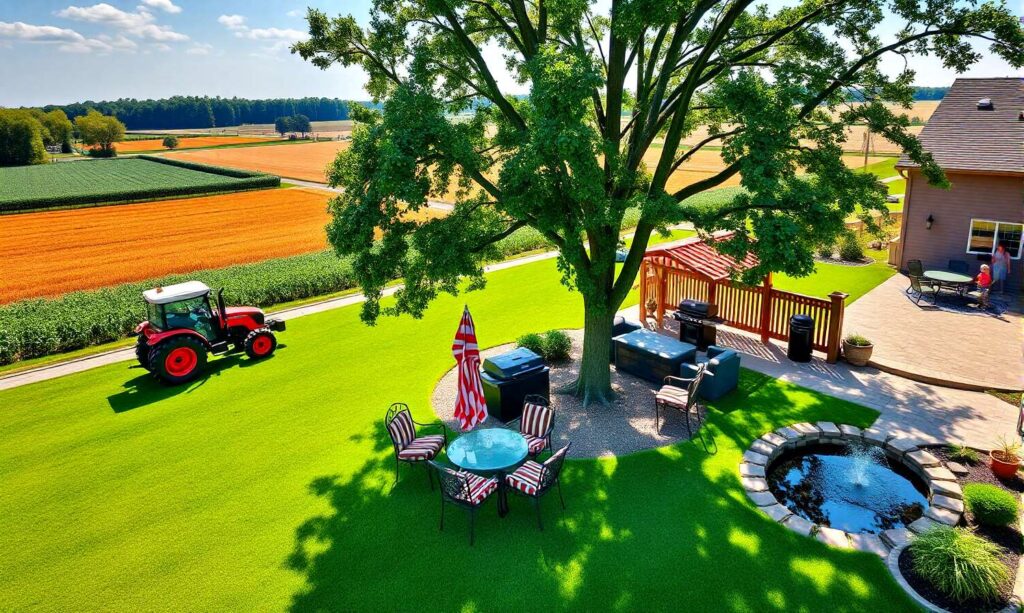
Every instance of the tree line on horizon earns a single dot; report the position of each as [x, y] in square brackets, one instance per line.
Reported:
[188, 112]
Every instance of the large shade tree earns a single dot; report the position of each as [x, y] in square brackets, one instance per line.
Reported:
[613, 93]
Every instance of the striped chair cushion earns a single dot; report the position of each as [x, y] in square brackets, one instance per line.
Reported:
[423, 448]
[402, 430]
[526, 478]
[479, 487]
[672, 396]
[535, 443]
[536, 420]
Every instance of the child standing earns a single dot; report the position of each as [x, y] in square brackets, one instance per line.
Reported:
[1000, 266]
[984, 282]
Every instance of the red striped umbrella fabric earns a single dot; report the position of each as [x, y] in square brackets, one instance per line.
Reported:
[470, 407]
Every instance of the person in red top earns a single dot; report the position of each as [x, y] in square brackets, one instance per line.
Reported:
[984, 282]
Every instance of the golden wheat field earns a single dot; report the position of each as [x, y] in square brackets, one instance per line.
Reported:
[306, 161]
[193, 142]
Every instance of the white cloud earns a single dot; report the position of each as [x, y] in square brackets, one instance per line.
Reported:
[162, 33]
[86, 46]
[164, 5]
[104, 13]
[119, 42]
[273, 34]
[24, 31]
[296, 13]
[233, 22]
[199, 49]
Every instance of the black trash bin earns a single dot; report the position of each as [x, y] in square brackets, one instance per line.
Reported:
[801, 338]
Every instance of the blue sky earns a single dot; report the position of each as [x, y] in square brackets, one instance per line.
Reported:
[60, 51]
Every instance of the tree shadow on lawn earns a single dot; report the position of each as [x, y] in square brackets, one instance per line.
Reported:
[669, 528]
[145, 389]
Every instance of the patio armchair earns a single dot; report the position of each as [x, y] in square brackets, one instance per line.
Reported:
[464, 490]
[915, 268]
[959, 266]
[680, 394]
[536, 423]
[922, 289]
[534, 480]
[409, 446]
[722, 373]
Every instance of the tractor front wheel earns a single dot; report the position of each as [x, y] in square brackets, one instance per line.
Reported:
[260, 343]
[178, 360]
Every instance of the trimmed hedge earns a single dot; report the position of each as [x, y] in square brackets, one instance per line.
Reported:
[68, 184]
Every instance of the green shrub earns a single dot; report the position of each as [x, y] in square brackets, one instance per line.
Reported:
[959, 563]
[553, 345]
[825, 251]
[850, 248]
[991, 505]
[34, 328]
[963, 454]
[557, 346]
[534, 342]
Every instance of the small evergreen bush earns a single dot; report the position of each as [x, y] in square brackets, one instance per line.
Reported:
[959, 563]
[964, 454]
[533, 342]
[825, 251]
[850, 248]
[991, 505]
[553, 345]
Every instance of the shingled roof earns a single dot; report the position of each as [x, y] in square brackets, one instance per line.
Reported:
[963, 137]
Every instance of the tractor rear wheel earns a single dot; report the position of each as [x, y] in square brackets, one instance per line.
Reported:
[260, 343]
[142, 352]
[178, 359]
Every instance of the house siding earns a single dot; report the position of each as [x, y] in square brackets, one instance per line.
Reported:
[972, 196]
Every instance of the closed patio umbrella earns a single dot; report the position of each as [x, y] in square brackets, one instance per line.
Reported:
[470, 407]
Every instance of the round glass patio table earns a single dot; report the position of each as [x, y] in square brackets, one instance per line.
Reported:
[947, 276]
[491, 451]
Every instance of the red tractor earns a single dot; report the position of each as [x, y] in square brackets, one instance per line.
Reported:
[182, 327]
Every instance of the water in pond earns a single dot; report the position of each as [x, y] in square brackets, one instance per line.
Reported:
[848, 487]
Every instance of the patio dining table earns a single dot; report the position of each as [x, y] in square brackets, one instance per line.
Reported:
[947, 279]
[490, 452]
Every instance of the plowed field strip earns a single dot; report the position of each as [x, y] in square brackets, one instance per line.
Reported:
[306, 162]
[155, 144]
[55, 252]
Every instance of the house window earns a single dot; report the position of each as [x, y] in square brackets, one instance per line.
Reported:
[986, 235]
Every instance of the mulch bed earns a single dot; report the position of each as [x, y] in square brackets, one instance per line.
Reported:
[1009, 539]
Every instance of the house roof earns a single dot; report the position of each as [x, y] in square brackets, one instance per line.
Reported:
[698, 256]
[963, 137]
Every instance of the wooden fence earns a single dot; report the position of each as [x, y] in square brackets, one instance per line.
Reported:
[745, 307]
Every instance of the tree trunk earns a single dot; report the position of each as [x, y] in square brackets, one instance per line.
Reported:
[595, 383]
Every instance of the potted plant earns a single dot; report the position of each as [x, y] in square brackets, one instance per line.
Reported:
[857, 349]
[1005, 458]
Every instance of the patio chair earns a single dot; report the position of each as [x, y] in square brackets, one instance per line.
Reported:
[680, 394]
[464, 490]
[409, 447]
[536, 423]
[534, 480]
[915, 268]
[922, 289]
[959, 266]
[722, 374]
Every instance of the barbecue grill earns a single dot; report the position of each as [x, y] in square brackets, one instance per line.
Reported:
[697, 323]
[510, 377]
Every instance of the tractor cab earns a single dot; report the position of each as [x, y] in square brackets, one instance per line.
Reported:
[182, 326]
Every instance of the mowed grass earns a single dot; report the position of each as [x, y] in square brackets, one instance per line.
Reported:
[97, 181]
[266, 486]
[827, 278]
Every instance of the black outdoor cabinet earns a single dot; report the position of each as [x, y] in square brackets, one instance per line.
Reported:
[510, 377]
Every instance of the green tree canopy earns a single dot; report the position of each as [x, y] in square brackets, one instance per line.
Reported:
[21, 139]
[98, 130]
[300, 123]
[59, 129]
[769, 87]
[283, 125]
[170, 142]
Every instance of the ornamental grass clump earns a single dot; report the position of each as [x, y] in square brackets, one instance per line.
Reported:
[991, 505]
[964, 454]
[959, 563]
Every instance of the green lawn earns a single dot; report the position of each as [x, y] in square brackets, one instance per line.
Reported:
[827, 278]
[883, 169]
[265, 487]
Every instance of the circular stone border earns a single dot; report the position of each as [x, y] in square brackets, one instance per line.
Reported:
[945, 497]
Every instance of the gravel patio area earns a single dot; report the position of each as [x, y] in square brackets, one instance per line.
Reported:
[621, 428]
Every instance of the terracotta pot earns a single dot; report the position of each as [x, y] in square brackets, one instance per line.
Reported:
[1004, 465]
[858, 355]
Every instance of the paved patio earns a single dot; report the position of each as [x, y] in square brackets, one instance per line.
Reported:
[944, 343]
[920, 412]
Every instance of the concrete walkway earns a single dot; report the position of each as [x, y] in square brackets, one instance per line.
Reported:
[923, 413]
[969, 348]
